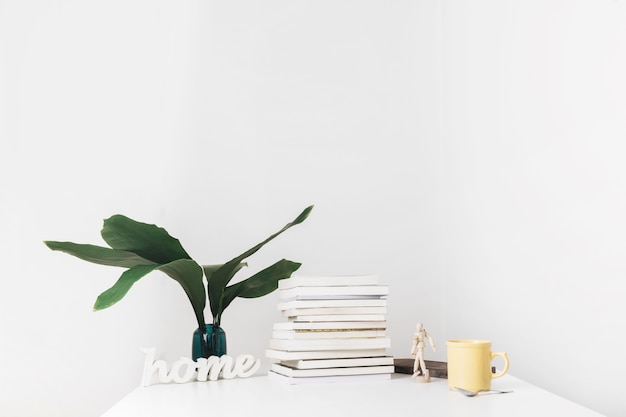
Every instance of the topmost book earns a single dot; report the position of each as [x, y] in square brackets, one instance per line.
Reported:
[326, 281]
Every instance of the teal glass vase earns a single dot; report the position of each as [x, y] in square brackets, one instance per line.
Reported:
[210, 342]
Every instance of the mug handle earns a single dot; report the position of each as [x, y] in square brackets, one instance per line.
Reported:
[506, 364]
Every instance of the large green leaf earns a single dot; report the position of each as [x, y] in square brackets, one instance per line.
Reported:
[184, 271]
[146, 240]
[222, 276]
[189, 275]
[142, 248]
[210, 269]
[121, 287]
[98, 254]
[215, 290]
[261, 283]
[301, 217]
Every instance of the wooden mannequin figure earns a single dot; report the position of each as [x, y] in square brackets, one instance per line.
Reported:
[417, 350]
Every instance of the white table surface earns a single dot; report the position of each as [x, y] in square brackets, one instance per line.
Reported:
[400, 396]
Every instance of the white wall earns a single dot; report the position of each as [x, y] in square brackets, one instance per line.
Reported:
[461, 152]
[219, 121]
[534, 179]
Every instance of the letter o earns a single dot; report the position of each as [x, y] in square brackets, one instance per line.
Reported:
[186, 377]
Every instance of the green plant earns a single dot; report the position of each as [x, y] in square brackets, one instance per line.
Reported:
[143, 248]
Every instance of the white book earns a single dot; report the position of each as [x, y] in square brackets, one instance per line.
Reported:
[325, 334]
[357, 370]
[326, 280]
[328, 379]
[336, 292]
[282, 355]
[338, 363]
[324, 311]
[345, 325]
[340, 317]
[330, 344]
[358, 302]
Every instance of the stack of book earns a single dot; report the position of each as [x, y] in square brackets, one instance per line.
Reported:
[335, 330]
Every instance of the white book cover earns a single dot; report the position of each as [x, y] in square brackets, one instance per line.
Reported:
[324, 311]
[337, 292]
[345, 325]
[328, 379]
[358, 302]
[282, 355]
[340, 317]
[338, 363]
[357, 370]
[325, 334]
[330, 344]
[326, 280]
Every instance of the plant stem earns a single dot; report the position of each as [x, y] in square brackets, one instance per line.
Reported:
[204, 344]
[201, 322]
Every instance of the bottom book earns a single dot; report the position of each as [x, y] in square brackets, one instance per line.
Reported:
[327, 379]
[353, 370]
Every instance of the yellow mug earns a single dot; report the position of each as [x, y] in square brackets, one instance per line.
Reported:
[469, 364]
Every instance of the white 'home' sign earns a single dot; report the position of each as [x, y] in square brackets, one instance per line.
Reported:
[184, 369]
